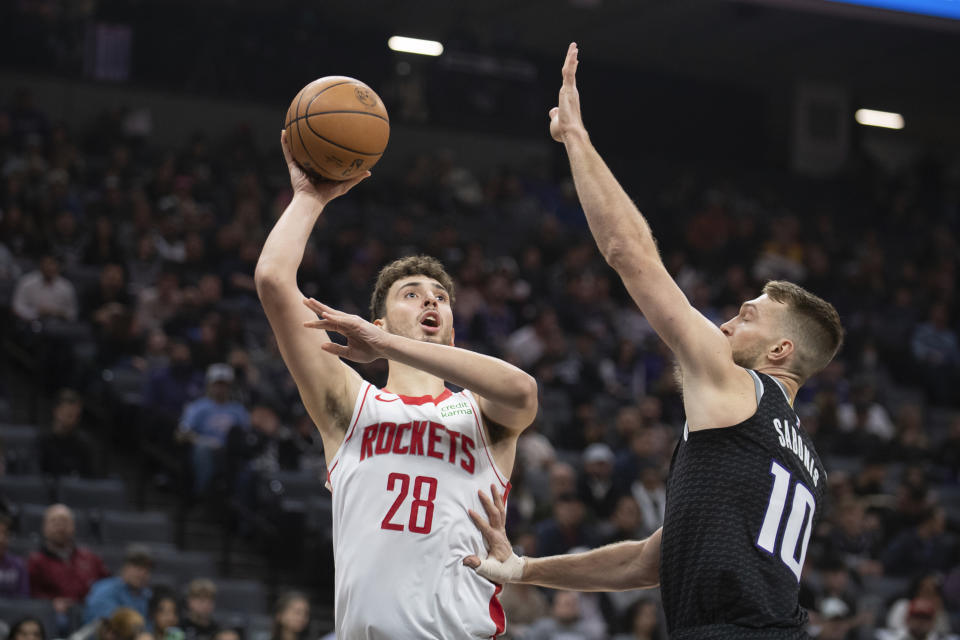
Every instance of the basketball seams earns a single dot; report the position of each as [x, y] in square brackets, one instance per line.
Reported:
[331, 142]
[300, 135]
[356, 111]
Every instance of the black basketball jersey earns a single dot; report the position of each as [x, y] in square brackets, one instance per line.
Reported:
[742, 502]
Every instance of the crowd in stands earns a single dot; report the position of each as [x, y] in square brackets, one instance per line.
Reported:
[129, 309]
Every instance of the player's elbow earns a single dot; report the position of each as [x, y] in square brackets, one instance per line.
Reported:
[624, 256]
[267, 279]
[528, 393]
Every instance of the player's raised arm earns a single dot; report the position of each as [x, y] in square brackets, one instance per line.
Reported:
[507, 395]
[327, 385]
[627, 243]
[621, 566]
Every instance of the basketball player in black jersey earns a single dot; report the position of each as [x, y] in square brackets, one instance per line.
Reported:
[745, 485]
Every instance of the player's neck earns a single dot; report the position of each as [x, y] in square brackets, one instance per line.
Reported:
[405, 380]
[790, 381]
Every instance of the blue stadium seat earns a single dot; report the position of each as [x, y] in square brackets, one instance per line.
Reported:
[241, 596]
[20, 446]
[295, 485]
[185, 565]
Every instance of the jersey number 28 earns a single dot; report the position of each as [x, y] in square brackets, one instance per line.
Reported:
[421, 508]
[799, 523]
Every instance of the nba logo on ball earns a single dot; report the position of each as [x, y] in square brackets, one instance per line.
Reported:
[329, 136]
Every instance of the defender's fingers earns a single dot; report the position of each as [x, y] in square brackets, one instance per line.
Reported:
[493, 514]
[570, 66]
[317, 306]
[472, 561]
[485, 529]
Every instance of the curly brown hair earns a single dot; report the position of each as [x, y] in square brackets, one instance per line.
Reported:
[404, 268]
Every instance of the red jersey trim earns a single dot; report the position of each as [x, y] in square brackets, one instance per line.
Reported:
[483, 439]
[496, 612]
[349, 433]
[417, 400]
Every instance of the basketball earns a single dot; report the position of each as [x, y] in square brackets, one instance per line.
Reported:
[337, 127]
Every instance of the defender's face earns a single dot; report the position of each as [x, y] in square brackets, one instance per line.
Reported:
[418, 307]
[752, 330]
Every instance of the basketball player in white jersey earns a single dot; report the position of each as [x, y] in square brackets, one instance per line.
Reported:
[404, 462]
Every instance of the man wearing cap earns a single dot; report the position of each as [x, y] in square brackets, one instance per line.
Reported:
[207, 421]
[595, 485]
[129, 589]
[921, 619]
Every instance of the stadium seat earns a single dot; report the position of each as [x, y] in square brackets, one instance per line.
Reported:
[886, 587]
[132, 526]
[295, 485]
[185, 565]
[247, 596]
[13, 610]
[27, 489]
[20, 447]
[260, 627]
[109, 493]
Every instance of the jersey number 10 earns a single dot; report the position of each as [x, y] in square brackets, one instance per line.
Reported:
[800, 521]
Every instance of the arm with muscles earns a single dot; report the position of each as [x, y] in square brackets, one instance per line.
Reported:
[508, 395]
[615, 567]
[319, 375]
[626, 242]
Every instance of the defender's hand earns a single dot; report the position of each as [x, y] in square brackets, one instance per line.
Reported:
[365, 341]
[323, 190]
[501, 565]
[565, 118]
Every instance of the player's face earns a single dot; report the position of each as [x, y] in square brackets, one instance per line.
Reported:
[753, 330]
[418, 307]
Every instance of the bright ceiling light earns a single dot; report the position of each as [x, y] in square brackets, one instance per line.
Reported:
[415, 45]
[885, 119]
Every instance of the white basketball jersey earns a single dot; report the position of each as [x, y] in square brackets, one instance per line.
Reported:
[402, 481]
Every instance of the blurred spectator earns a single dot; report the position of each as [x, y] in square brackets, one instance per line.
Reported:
[595, 485]
[642, 621]
[934, 343]
[626, 523]
[920, 624]
[158, 303]
[650, 492]
[65, 450]
[921, 548]
[163, 615]
[228, 633]
[129, 589]
[566, 529]
[834, 615]
[947, 452]
[523, 604]
[14, 579]
[565, 621]
[62, 571]
[123, 623]
[169, 388]
[201, 601]
[291, 617]
[27, 629]
[207, 421]
[45, 294]
[927, 588]
[864, 414]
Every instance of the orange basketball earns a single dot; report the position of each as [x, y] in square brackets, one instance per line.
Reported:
[337, 127]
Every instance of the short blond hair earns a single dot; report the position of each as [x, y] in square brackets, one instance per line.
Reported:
[814, 323]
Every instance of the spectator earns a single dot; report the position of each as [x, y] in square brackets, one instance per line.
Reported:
[864, 413]
[650, 492]
[123, 623]
[642, 622]
[228, 633]
[934, 343]
[291, 617]
[566, 529]
[66, 451]
[920, 624]
[207, 421]
[61, 571]
[163, 615]
[927, 588]
[201, 601]
[595, 485]
[565, 621]
[14, 579]
[523, 604]
[45, 294]
[27, 629]
[922, 548]
[626, 523]
[129, 589]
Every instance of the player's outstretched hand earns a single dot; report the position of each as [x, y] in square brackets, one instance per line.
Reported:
[565, 118]
[365, 340]
[324, 190]
[501, 565]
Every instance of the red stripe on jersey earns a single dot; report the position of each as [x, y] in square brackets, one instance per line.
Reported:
[496, 612]
[418, 400]
[349, 434]
[486, 449]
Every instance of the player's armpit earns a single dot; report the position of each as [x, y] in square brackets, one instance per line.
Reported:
[502, 420]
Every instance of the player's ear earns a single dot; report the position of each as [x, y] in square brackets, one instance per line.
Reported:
[780, 351]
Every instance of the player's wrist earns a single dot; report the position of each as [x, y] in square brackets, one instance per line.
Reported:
[576, 135]
[306, 196]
